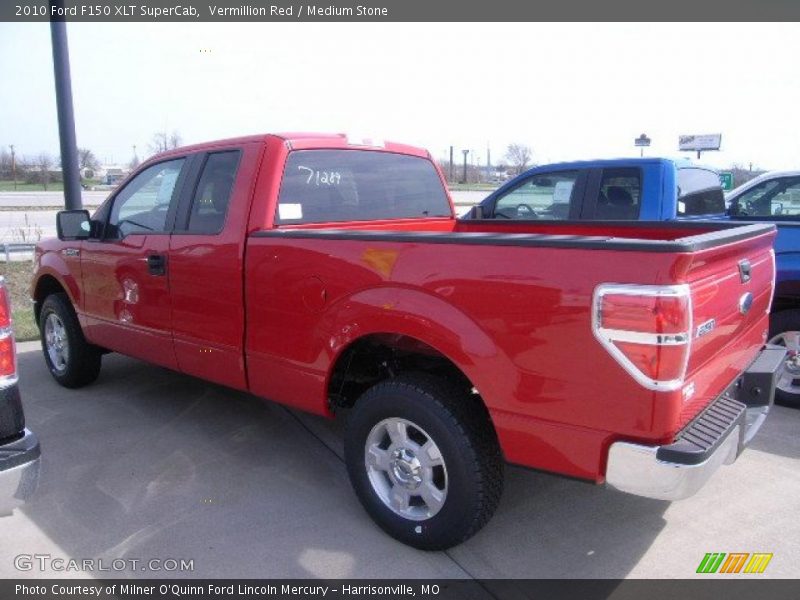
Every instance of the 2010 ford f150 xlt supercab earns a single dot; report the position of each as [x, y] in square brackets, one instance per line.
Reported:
[324, 273]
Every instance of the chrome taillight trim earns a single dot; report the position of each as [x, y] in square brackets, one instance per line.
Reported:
[607, 337]
[774, 279]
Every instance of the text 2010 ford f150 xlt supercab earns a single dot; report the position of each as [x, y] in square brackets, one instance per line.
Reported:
[322, 273]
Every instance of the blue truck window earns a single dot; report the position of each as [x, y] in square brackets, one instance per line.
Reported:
[699, 193]
[618, 196]
[544, 196]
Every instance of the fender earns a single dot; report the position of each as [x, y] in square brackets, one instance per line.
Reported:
[429, 319]
[52, 263]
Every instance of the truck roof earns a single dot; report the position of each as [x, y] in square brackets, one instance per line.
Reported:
[306, 140]
[623, 162]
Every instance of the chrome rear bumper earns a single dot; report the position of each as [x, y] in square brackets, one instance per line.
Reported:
[716, 437]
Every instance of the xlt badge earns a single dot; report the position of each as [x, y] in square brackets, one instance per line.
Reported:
[705, 328]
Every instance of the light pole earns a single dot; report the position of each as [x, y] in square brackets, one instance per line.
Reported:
[464, 178]
[66, 114]
[13, 166]
[452, 175]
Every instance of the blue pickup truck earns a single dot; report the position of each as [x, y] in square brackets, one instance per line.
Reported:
[659, 189]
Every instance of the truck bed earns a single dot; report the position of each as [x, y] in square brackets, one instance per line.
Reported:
[513, 305]
[652, 236]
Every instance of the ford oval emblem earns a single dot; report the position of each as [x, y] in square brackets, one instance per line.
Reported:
[745, 302]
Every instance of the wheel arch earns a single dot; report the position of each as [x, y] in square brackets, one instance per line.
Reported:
[419, 330]
[46, 285]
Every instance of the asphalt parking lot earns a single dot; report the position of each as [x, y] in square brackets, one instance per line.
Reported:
[147, 463]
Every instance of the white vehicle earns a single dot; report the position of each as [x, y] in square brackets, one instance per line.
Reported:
[773, 194]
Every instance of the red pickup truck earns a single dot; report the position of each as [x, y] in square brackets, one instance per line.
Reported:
[326, 274]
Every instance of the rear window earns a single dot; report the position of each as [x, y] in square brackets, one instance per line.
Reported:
[322, 186]
[699, 193]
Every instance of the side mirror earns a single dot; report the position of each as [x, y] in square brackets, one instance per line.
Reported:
[73, 224]
[478, 212]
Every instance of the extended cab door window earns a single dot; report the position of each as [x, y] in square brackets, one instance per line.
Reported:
[543, 196]
[774, 198]
[699, 193]
[147, 202]
[618, 197]
[213, 194]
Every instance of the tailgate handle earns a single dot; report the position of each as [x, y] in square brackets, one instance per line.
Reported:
[744, 270]
[157, 264]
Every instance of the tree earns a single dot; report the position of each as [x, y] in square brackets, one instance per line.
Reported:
[5, 163]
[87, 159]
[163, 141]
[519, 156]
[44, 163]
[87, 162]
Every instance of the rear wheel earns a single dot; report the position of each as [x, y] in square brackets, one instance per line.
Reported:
[424, 460]
[73, 362]
[784, 330]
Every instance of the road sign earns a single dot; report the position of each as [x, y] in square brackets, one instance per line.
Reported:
[726, 181]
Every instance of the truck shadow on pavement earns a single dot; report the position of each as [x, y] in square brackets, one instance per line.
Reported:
[149, 464]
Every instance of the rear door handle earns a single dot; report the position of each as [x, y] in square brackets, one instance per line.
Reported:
[157, 264]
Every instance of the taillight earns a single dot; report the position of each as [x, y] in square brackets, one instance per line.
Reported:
[647, 330]
[5, 306]
[8, 357]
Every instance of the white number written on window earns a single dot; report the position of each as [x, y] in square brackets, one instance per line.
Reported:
[316, 177]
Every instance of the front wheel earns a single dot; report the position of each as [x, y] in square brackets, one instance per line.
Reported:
[72, 361]
[784, 330]
[424, 461]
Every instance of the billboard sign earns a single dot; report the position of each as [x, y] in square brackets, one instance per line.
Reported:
[708, 141]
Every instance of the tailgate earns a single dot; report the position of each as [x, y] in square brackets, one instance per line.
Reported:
[731, 289]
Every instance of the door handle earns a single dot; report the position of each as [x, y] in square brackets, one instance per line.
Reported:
[157, 264]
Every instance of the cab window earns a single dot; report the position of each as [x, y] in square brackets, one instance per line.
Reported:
[142, 206]
[618, 197]
[774, 198]
[213, 193]
[322, 186]
[699, 193]
[543, 196]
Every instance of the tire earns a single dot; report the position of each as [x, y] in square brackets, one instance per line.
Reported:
[439, 501]
[73, 362]
[784, 330]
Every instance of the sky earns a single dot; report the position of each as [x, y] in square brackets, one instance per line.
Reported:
[569, 91]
